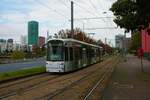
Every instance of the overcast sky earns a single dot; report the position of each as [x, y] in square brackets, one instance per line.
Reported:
[54, 15]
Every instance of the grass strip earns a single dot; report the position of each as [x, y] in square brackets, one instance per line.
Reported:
[21, 73]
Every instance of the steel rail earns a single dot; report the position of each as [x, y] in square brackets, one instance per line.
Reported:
[97, 83]
[58, 91]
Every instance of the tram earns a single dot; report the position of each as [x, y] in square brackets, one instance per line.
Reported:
[65, 55]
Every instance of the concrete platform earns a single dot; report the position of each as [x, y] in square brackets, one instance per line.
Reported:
[128, 82]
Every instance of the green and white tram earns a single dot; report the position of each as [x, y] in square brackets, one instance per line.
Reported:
[64, 55]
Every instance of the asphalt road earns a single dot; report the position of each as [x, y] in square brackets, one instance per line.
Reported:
[21, 65]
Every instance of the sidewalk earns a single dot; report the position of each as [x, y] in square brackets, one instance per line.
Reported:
[128, 82]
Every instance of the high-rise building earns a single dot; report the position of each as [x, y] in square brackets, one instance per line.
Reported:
[41, 41]
[33, 33]
[2, 45]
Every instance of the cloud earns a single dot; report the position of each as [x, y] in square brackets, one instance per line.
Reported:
[54, 15]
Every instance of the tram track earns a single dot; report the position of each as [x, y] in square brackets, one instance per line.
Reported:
[52, 95]
[55, 80]
[99, 83]
[34, 83]
[14, 82]
[95, 86]
[30, 87]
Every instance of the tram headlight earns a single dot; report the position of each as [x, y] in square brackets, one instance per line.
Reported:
[61, 65]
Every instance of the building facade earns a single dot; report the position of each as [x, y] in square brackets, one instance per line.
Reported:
[41, 41]
[33, 32]
[23, 40]
[146, 43]
[10, 45]
[3, 45]
[16, 47]
[119, 41]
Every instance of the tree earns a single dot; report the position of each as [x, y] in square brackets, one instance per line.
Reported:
[39, 52]
[135, 43]
[131, 14]
[143, 13]
[78, 34]
[125, 12]
[17, 55]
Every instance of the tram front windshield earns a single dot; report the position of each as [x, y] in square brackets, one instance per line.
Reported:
[55, 50]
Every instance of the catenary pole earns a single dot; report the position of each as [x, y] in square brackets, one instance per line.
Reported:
[72, 23]
[141, 52]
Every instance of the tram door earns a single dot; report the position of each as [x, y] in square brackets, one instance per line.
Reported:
[84, 57]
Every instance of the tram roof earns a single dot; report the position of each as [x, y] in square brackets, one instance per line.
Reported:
[74, 40]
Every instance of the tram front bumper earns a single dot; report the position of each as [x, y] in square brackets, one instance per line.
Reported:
[54, 67]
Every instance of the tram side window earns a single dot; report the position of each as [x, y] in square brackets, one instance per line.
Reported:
[80, 53]
[90, 52]
[77, 53]
[98, 52]
[66, 54]
[71, 53]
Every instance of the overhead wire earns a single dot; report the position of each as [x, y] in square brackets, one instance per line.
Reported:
[92, 18]
[53, 10]
[93, 5]
[96, 10]
[97, 28]
[48, 7]
[84, 8]
[96, 14]
[108, 22]
[88, 11]
[64, 3]
[81, 7]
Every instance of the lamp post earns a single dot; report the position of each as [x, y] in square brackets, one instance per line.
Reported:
[141, 50]
[125, 47]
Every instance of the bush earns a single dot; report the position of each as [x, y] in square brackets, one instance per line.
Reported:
[18, 55]
[21, 73]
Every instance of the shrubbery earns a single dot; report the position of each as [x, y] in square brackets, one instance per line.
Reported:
[18, 55]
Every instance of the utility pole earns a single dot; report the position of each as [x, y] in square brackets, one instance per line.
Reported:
[72, 23]
[47, 35]
[141, 51]
[125, 48]
[83, 31]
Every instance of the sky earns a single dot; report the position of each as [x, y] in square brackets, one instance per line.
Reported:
[54, 15]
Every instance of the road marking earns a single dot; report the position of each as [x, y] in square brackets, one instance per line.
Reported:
[119, 85]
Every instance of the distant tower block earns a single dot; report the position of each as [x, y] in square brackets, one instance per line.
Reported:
[33, 32]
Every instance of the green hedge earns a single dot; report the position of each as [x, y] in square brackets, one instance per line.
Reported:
[21, 73]
[18, 55]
